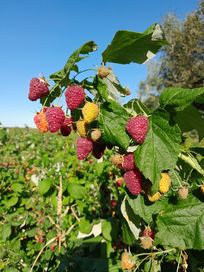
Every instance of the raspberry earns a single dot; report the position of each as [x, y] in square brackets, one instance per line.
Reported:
[202, 189]
[117, 160]
[137, 127]
[55, 118]
[66, 127]
[119, 182]
[133, 180]
[90, 112]
[95, 134]
[74, 96]
[98, 149]
[154, 197]
[103, 72]
[81, 128]
[146, 242]
[164, 183]
[127, 263]
[147, 232]
[183, 192]
[41, 121]
[38, 89]
[84, 148]
[128, 162]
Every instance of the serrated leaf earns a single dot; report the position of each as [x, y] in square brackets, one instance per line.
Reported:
[112, 121]
[160, 149]
[179, 98]
[135, 106]
[127, 46]
[132, 219]
[44, 186]
[6, 232]
[195, 120]
[12, 201]
[76, 190]
[85, 226]
[144, 209]
[110, 229]
[182, 225]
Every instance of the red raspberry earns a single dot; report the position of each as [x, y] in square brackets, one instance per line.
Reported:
[128, 162]
[98, 149]
[74, 96]
[66, 127]
[38, 88]
[137, 127]
[55, 118]
[133, 179]
[84, 148]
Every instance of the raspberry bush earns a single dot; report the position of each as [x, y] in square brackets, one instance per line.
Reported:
[165, 156]
[163, 161]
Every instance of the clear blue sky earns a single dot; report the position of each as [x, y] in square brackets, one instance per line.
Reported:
[38, 36]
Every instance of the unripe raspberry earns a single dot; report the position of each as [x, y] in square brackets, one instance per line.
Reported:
[128, 162]
[81, 128]
[117, 160]
[119, 182]
[38, 88]
[95, 134]
[84, 148]
[66, 127]
[40, 121]
[183, 192]
[154, 197]
[103, 71]
[148, 232]
[164, 183]
[138, 127]
[127, 263]
[90, 112]
[55, 118]
[146, 242]
[74, 96]
[133, 180]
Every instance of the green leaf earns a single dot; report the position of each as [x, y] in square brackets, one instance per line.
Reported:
[160, 149]
[6, 232]
[44, 186]
[182, 225]
[17, 187]
[127, 235]
[112, 121]
[179, 98]
[110, 229]
[195, 120]
[135, 106]
[12, 201]
[127, 46]
[76, 191]
[144, 209]
[85, 226]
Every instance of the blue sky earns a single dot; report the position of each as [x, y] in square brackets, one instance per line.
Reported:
[38, 36]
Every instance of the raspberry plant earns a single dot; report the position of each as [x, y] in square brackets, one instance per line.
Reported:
[161, 144]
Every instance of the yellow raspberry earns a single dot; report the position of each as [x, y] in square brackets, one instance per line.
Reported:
[154, 197]
[146, 242]
[95, 134]
[117, 160]
[90, 112]
[41, 121]
[81, 128]
[126, 262]
[202, 188]
[164, 183]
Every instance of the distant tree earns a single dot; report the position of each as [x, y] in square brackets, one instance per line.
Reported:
[181, 63]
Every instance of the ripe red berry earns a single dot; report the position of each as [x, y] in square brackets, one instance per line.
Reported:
[137, 127]
[66, 127]
[74, 96]
[84, 148]
[114, 203]
[55, 118]
[98, 149]
[133, 180]
[128, 162]
[38, 89]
